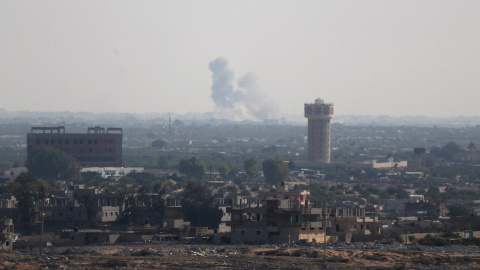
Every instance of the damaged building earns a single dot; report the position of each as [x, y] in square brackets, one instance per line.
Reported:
[282, 216]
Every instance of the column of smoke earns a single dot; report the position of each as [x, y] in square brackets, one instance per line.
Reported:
[243, 102]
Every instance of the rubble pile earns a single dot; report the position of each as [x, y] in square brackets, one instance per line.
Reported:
[294, 256]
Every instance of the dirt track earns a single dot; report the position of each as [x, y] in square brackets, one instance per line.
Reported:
[178, 256]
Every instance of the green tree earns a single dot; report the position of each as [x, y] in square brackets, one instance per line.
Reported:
[92, 179]
[433, 193]
[224, 170]
[458, 211]
[163, 162]
[50, 164]
[198, 206]
[232, 189]
[29, 183]
[250, 166]
[450, 151]
[29, 191]
[270, 150]
[399, 192]
[275, 171]
[178, 123]
[402, 193]
[192, 167]
[291, 165]
[159, 143]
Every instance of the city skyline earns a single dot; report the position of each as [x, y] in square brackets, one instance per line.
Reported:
[392, 58]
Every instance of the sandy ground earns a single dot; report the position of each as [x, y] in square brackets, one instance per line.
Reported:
[187, 256]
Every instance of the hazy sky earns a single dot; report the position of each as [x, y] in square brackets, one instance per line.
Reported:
[368, 57]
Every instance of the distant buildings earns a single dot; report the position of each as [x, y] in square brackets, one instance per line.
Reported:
[472, 152]
[99, 147]
[382, 163]
[319, 115]
[113, 172]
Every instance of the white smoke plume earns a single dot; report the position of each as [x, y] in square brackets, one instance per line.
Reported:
[242, 102]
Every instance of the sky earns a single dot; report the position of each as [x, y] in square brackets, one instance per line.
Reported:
[246, 59]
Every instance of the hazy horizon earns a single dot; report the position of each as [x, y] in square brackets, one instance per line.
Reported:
[241, 60]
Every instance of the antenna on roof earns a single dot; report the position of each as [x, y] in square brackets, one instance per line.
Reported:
[169, 140]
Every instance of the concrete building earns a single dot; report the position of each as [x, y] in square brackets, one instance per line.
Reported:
[283, 216]
[113, 172]
[7, 201]
[99, 147]
[7, 237]
[319, 115]
[12, 174]
[351, 223]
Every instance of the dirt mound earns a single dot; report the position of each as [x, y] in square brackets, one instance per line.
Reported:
[178, 256]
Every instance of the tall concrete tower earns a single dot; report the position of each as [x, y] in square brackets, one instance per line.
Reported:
[319, 115]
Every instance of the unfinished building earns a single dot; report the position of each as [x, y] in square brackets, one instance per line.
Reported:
[283, 216]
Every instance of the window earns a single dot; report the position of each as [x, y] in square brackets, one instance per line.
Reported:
[89, 141]
[37, 141]
[242, 232]
[47, 141]
[60, 141]
[95, 141]
[75, 141]
[80, 141]
[258, 232]
[67, 141]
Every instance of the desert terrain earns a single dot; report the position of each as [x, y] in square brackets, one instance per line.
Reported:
[209, 256]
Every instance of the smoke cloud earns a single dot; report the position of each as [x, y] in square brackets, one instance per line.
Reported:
[244, 101]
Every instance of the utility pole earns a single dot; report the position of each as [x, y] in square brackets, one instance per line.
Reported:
[41, 242]
[405, 224]
[169, 141]
[324, 233]
[210, 172]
